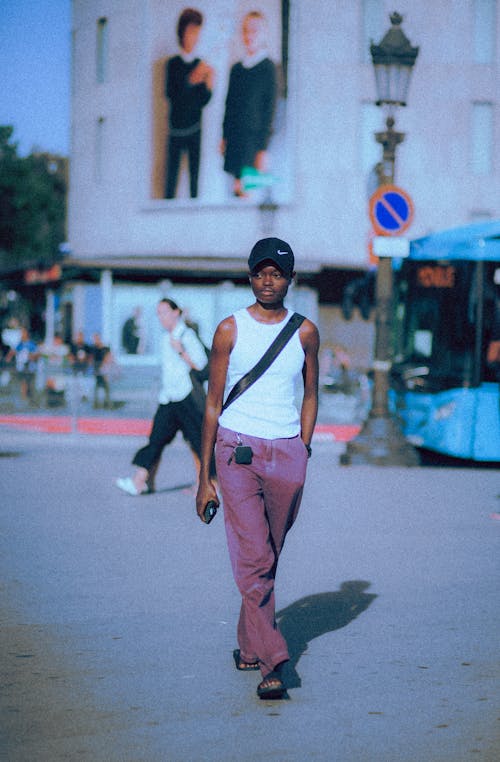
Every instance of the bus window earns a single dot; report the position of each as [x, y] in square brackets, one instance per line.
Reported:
[492, 325]
[436, 307]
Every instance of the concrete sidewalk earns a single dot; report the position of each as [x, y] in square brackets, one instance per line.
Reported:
[134, 401]
[119, 614]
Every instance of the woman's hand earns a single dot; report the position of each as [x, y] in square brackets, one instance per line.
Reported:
[206, 492]
[176, 345]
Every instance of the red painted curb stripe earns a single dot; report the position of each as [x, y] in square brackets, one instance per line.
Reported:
[138, 426]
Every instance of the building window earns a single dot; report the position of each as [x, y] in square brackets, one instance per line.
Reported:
[99, 148]
[102, 50]
[372, 26]
[484, 26]
[482, 138]
[480, 215]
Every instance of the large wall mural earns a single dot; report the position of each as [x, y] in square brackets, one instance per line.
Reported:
[220, 94]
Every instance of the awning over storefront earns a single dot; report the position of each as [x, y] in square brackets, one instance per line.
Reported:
[192, 266]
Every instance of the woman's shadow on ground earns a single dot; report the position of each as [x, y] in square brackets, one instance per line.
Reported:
[314, 615]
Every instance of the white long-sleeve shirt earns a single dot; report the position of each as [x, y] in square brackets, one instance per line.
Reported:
[175, 379]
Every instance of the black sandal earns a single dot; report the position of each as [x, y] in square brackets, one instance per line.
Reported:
[271, 687]
[244, 666]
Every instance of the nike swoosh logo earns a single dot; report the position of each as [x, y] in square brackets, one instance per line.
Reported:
[281, 252]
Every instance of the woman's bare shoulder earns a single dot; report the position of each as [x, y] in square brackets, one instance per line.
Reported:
[309, 333]
[225, 332]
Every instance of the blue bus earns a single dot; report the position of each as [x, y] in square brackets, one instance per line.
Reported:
[447, 314]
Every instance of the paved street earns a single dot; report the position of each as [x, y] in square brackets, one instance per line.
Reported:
[118, 615]
[134, 401]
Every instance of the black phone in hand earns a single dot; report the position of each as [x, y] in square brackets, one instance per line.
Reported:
[210, 511]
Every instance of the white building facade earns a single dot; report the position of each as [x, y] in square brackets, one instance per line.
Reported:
[129, 243]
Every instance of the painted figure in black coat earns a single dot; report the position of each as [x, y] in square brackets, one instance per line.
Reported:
[188, 88]
[250, 104]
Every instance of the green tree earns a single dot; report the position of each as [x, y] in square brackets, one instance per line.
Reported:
[32, 206]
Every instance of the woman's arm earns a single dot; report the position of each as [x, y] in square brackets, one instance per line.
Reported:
[309, 338]
[222, 345]
[190, 348]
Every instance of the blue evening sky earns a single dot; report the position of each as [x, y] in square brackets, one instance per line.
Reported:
[35, 55]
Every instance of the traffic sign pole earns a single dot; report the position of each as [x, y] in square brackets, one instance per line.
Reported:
[381, 440]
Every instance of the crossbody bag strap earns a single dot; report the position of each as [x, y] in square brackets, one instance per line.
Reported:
[266, 360]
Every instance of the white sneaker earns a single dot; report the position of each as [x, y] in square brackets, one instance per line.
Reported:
[127, 485]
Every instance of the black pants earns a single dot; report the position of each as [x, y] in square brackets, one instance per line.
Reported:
[185, 416]
[101, 382]
[176, 147]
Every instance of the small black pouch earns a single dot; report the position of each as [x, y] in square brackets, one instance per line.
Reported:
[243, 455]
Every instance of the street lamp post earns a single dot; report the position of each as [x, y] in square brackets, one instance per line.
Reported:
[381, 441]
[267, 211]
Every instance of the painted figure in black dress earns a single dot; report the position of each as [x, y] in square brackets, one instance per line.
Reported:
[250, 104]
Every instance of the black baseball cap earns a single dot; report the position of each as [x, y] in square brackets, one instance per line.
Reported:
[273, 250]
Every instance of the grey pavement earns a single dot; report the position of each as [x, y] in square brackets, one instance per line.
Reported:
[119, 613]
[135, 392]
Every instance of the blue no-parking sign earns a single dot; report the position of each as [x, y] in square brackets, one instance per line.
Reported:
[391, 210]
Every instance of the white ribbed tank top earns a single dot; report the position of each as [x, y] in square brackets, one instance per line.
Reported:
[268, 408]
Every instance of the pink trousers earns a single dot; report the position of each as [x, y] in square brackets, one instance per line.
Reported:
[261, 502]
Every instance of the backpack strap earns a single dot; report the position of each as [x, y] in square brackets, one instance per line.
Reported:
[266, 360]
